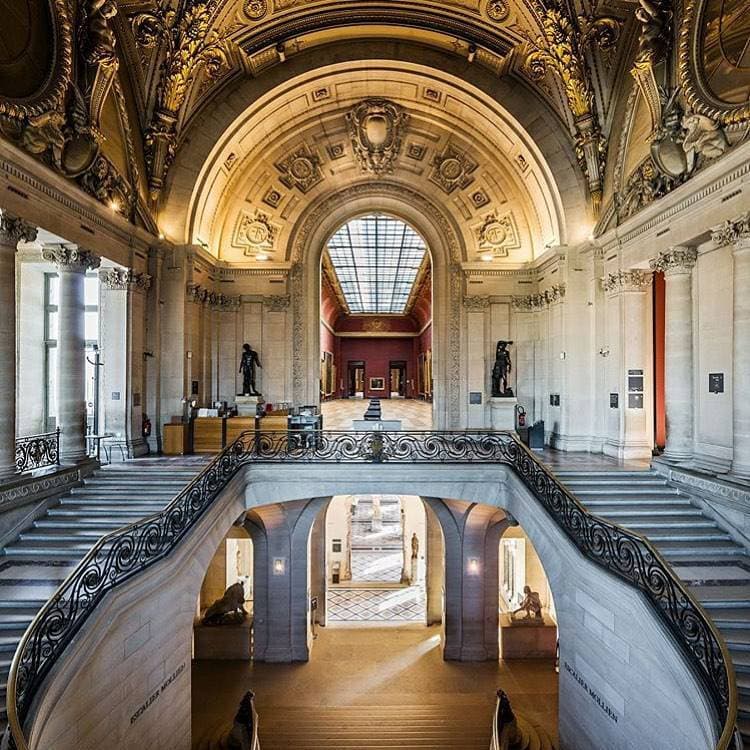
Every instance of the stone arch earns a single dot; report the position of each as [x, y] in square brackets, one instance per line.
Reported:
[543, 132]
[446, 249]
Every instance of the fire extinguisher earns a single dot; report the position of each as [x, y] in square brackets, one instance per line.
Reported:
[520, 416]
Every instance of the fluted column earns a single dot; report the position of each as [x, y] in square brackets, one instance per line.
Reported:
[737, 234]
[12, 231]
[677, 265]
[72, 264]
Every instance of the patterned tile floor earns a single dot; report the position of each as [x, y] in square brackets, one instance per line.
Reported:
[369, 565]
[414, 415]
[376, 605]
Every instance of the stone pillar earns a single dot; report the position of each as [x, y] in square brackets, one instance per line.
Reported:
[281, 605]
[737, 234]
[152, 357]
[72, 264]
[12, 231]
[471, 534]
[318, 571]
[122, 320]
[435, 569]
[677, 264]
[628, 304]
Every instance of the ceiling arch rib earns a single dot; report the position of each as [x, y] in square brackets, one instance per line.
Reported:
[458, 146]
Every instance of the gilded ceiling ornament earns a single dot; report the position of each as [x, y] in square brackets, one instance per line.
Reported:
[376, 127]
[713, 72]
[255, 9]
[452, 169]
[190, 46]
[498, 10]
[301, 169]
[561, 49]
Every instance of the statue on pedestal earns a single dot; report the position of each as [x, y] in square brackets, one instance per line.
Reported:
[228, 610]
[248, 364]
[414, 546]
[531, 604]
[501, 370]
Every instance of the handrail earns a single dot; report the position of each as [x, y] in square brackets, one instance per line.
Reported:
[37, 451]
[503, 723]
[120, 555]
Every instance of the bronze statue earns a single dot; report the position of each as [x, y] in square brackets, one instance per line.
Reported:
[101, 38]
[531, 604]
[247, 368]
[414, 546]
[228, 610]
[501, 370]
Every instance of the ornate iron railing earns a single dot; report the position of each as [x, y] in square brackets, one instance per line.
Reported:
[126, 552]
[37, 451]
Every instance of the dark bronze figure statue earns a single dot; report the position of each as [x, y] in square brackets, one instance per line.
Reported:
[228, 610]
[501, 370]
[247, 368]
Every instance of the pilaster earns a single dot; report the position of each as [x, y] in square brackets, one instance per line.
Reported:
[736, 233]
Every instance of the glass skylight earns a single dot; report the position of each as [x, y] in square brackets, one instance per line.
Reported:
[376, 259]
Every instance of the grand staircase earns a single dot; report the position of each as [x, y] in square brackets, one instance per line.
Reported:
[377, 727]
[704, 556]
[35, 564]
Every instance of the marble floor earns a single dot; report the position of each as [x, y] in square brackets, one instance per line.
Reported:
[376, 605]
[398, 669]
[414, 415]
[560, 460]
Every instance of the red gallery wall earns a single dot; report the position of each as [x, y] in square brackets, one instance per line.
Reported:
[377, 354]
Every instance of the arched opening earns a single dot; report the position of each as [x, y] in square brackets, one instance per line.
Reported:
[376, 325]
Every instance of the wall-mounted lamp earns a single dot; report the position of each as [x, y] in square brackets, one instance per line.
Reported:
[279, 566]
[604, 351]
[472, 566]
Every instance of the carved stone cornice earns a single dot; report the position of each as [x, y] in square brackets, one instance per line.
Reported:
[277, 303]
[476, 304]
[14, 230]
[70, 258]
[125, 279]
[531, 302]
[676, 260]
[732, 232]
[627, 281]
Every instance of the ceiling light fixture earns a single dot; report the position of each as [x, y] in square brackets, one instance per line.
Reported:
[262, 256]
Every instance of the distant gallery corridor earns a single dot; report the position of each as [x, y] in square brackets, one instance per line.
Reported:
[365, 688]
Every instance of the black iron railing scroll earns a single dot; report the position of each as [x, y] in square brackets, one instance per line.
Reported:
[128, 551]
[37, 451]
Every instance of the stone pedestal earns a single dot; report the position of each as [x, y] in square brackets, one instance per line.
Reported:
[223, 641]
[521, 640]
[503, 413]
[247, 406]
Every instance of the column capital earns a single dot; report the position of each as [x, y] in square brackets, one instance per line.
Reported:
[124, 279]
[531, 302]
[676, 260]
[733, 232]
[627, 281]
[70, 258]
[13, 230]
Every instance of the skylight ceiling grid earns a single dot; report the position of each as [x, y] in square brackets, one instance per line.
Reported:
[376, 259]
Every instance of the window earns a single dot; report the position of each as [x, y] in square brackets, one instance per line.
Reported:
[376, 259]
[91, 323]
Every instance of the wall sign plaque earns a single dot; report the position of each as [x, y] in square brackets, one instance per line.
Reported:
[475, 397]
[614, 400]
[716, 382]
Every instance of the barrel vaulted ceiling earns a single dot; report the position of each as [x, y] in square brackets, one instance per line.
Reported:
[217, 122]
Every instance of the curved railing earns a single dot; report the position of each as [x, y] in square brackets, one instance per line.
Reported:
[36, 451]
[126, 552]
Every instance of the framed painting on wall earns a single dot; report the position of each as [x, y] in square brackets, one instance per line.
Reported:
[377, 384]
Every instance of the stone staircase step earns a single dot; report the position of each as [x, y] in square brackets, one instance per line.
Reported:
[622, 514]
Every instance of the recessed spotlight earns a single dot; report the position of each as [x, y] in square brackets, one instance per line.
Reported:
[487, 257]
[114, 204]
[261, 256]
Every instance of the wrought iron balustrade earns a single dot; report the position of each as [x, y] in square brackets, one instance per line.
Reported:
[37, 451]
[126, 552]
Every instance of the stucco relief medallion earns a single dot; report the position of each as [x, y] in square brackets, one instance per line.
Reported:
[452, 169]
[375, 129]
[497, 233]
[301, 169]
[498, 10]
[254, 232]
[256, 9]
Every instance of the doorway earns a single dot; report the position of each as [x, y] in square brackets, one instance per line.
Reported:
[398, 379]
[356, 379]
